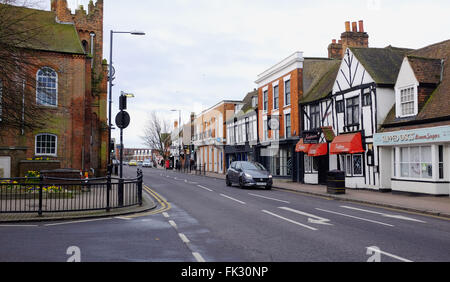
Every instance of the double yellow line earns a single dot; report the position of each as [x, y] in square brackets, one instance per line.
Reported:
[162, 203]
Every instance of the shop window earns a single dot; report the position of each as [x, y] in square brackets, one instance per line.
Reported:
[354, 165]
[416, 162]
[311, 164]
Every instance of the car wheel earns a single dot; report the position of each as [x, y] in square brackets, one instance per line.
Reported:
[228, 182]
[241, 184]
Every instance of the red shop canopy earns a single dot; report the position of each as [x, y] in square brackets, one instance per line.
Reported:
[318, 150]
[302, 147]
[347, 144]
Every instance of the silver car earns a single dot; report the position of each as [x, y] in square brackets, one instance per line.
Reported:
[249, 174]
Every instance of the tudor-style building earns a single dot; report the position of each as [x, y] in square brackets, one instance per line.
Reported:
[242, 131]
[414, 142]
[70, 77]
[344, 110]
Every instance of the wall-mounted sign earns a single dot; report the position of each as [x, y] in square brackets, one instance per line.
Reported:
[438, 134]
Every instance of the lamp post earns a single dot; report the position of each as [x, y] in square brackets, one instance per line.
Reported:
[110, 80]
[179, 128]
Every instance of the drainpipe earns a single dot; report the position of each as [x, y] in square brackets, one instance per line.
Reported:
[442, 70]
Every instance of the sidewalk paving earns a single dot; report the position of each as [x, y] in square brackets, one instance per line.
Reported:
[147, 204]
[430, 205]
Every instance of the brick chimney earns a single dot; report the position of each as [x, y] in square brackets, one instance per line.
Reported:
[352, 37]
[63, 13]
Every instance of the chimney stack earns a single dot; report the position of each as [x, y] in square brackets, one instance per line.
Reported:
[354, 27]
[361, 26]
[347, 26]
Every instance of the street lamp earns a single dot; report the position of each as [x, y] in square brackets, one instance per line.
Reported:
[110, 80]
[179, 128]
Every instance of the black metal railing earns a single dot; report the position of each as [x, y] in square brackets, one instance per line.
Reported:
[54, 195]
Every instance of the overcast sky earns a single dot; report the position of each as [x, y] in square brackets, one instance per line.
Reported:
[199, 52]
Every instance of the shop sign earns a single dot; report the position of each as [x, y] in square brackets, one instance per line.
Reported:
[439, 134]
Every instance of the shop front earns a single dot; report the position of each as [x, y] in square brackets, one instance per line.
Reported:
[416, 161]
[316, 161]
[351, 158]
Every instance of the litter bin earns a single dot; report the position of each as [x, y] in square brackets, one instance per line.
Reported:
[336, 182]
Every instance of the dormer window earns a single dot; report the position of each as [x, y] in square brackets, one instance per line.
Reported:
[407, 101]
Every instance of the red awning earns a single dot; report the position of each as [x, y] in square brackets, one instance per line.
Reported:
[347, 144]
[318, 150]
[302, 147]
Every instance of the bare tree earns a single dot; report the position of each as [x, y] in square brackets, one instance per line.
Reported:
[157, 135]
[19, 31]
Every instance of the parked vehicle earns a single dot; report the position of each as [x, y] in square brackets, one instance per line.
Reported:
[249, 174]
[147, 164]
[132, 163]
[139, 163]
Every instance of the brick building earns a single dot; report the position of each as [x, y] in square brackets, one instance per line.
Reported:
[71, 83]
[210, 135]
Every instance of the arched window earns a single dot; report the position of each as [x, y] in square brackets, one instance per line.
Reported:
[85, 46]
[46, 145]
[47, 87]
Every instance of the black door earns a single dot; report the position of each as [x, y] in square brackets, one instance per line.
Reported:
[324, 167]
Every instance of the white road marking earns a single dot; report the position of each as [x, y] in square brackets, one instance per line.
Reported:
[79, 221]
[123, 218]
[174, 225]
[198, 257]
[12, 225]
[166, 215]
[388, 254]
[384, 214]
[290, 220]
[267, 198]
[355, 217]
[203, 187]
[233, 199]
[314, 219]
[184, 238]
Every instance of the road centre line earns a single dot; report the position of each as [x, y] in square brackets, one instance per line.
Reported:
[355, 217]
[388, 254]
[290, 220]
[314, 219]
[198, 257]
[268, 198]
[206, 188]
[173, 224]
[184, 238]
[233, 199]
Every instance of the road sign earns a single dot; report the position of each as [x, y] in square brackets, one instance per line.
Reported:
[123, 120]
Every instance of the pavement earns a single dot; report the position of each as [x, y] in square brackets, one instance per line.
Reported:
[147, 204]
[418, 203]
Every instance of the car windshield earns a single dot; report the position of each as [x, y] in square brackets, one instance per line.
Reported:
[252, 166]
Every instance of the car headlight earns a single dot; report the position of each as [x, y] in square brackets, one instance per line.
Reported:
[248, 176]
[270, 176]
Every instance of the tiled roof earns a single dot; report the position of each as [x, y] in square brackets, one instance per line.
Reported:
[325, 73]
[426, 70]
[426, 67]
[383, 64]
[43, 31]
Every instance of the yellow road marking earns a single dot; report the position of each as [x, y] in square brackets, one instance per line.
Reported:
[165, 206]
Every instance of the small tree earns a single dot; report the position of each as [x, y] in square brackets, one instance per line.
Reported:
[157, 136]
